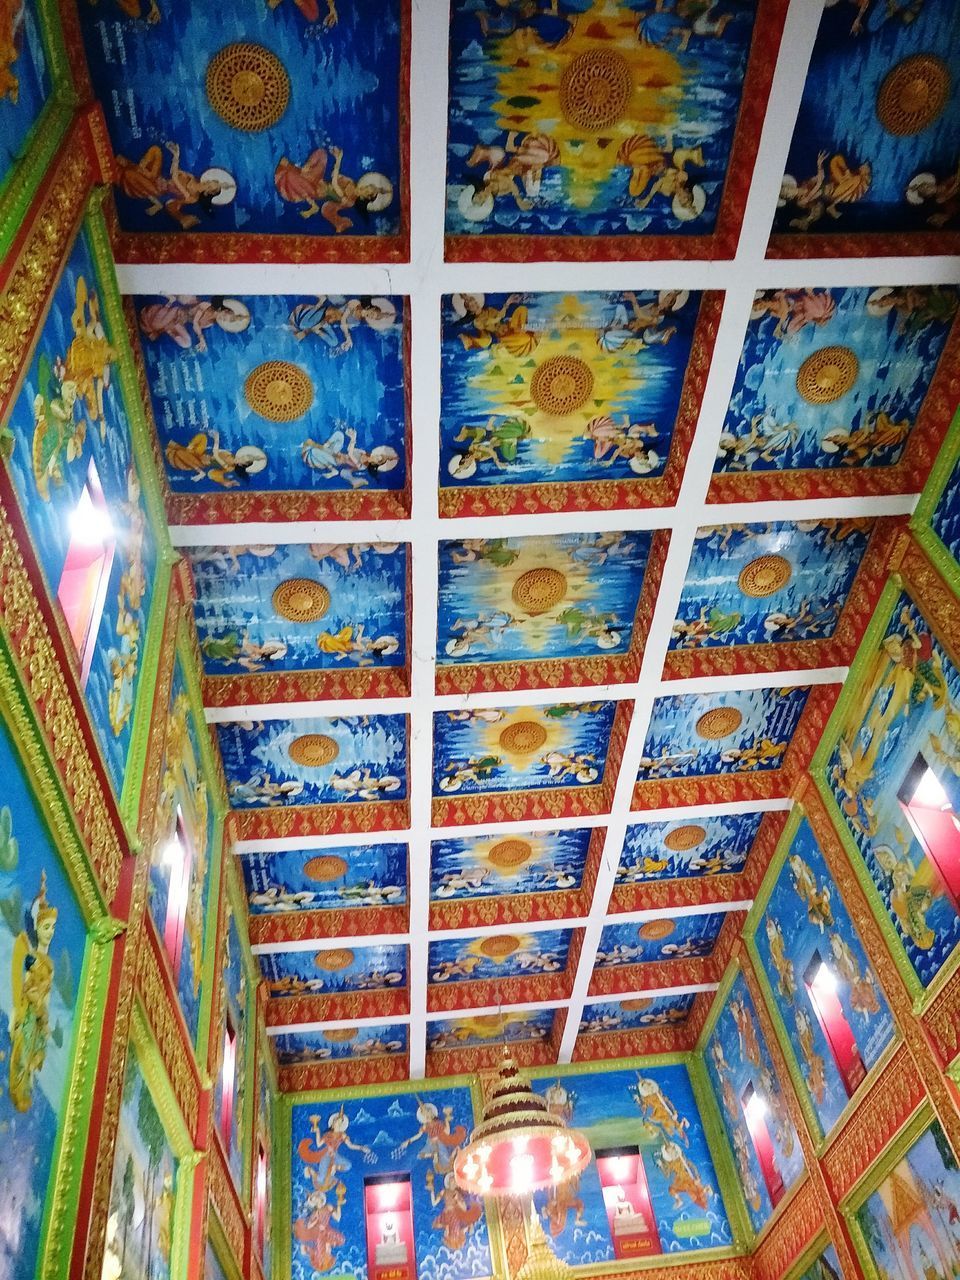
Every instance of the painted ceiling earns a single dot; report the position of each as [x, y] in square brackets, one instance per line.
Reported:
[534, 505]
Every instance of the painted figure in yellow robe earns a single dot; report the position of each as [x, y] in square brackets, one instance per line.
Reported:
[145, 180]
[210, 461]
[31, 981]
[727, 1093]
[505, 325]
[683, 1178]
[911, 891]
[816, 900]
[504, 166]
[657, 1110]
[747, 1032]
[742, 1155]
[11, 34]
[863, 987]
[57, 436]
[657, 170]
[816, 1068]
[825, 192]
[786, 982]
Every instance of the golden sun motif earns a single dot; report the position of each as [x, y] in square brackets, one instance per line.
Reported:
[325, 868]
[719, 722]
[313, 750]
[683, 838]
[501, 946]
[512, 748]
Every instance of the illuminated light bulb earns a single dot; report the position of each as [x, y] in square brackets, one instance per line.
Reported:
[756, 1108]
[521, 1173]
[556, 1172]
[520, 1143]
[621, 1168]
[825, 978]
[90, 525]
[485, 1181]
[558, 1141]
[930, 792]
[172, 854]
[471, 1167]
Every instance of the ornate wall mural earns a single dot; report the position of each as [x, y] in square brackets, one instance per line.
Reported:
[287, 121]
[278, 403]
[42, 947]
[567, 399]
[635, 1014]
[334, 1044]
[139, 1240]
[330, 879]
[24, 83]
[237, 1018]
[836, 1017]
[678, 850]
[493, 866]
[183, 854]
[696, 735]
[80, 489]
[754, 1112]
[679, 937]
[320, 760]
[908, 1225]
[881, 161]
[946, 517]
[336, 1146]
[592, 120]
[834, 378]
[520, 748]
[336, 969]
[517, 1026]
[650, 1111]
[905, 712]
[305, 619]
[541, 608]
[499, 956]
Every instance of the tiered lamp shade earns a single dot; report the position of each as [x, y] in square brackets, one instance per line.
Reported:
[519, 1146]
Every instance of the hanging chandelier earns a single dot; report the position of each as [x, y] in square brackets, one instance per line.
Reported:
[518, 1147]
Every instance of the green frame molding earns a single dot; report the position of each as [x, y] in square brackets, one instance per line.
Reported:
[732, 972]
[876, 629]
[74, 1119]
[282, 1208]
[154, 1072]
[921, 1120]
[93, 227]
[217, 1241]
[819, 1135]
[820, 1244]
[921, 522]
[22, 182]
[266, 1065]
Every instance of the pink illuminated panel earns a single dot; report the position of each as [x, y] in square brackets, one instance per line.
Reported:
[755, 1113]
[389, 1219]
[178, 855]
[821, 984]
[928, 810]
[228, 1072]
[626, 1199]
[82, 589]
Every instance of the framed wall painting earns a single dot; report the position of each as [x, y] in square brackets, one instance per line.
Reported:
[904, 1215]
[151, 1188]
[936, 519]
[37, 99]
[79, 460]
[56, 946]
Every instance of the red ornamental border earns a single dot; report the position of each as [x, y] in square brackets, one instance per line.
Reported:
[771, 784]
[675, 1037]
[523, 989]
[869, 244]
[265, 687]
[836, 651]
[298, 926]
[304, 1077]
[518, 908]
[625, 979]
[721, 243]
[907, 476]
[487, 1057]
[794, 1230]
[320, 819]
[288, 1011]
[266, 506]
[605, 495]
[179, 246]
[556, 802]
[598, 669]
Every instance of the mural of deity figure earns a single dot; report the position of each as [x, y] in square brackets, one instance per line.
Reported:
[682, 1176]
[816, 1068]
[659, 1111]
[11, 29]
[826, 191]
[309, 185]
[31, 983]
[172, 194]
[786, 981]
[184, 318]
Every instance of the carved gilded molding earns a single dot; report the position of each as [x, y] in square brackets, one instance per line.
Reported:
[165, 1023]
[793, 1231]
[224, 1198]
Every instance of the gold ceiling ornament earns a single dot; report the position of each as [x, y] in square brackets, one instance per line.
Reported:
[301, 600]
[334, 960]
[325, 868]
[683, 838]
[499, 947]
[518, 1146]
[340, 1035]
[541, 1263]
[656, 930]
[313, 750]
[913, 94]
[538, 590]
[561, 385]
[510, 853]
[523, 737]
[827, 375]
[595, 89]
[278, 391]
[636, 1004]
[719, 722]
[765, 576]
[248, 86]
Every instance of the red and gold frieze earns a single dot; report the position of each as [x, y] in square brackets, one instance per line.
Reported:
[298, 926]
[294, 821]
[224, 1198]
[794, 1230]
[680, 1038]
[284, 1011]
[167, 1026]
[346, 1074]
